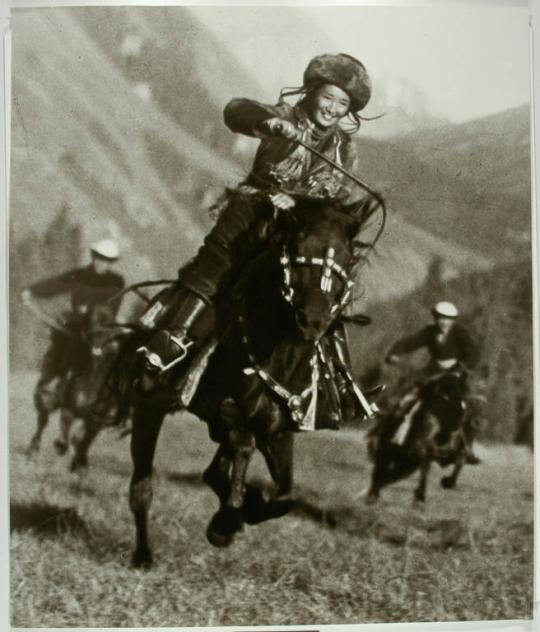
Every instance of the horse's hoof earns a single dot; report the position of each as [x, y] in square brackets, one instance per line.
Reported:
[371, 498]
[419, 503]
[142, 559]
[447, 482]
[31, 450]
[78, 463]
[60, 446]
[224, 525]
[218, 539]
[420, 495]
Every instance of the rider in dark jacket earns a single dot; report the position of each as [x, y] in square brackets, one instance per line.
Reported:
[336, 87]
[447, 342]
[450, 346]
[88, 287]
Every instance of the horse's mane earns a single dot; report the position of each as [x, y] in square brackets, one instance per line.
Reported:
[311, 210]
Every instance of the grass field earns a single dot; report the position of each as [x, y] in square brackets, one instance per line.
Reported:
[466, 556]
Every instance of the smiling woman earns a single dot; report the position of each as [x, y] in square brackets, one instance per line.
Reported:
[305, 150]
[328, 105]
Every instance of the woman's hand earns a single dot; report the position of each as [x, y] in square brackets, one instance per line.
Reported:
[280, 127]
[282, 201]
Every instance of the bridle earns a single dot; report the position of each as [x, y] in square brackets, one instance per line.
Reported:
[329, 267]
[294, 402]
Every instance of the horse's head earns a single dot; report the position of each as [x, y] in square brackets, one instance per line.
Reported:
[318, 260]
[92, 334]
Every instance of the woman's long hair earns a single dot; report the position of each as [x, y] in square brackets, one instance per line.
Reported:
[354, 119]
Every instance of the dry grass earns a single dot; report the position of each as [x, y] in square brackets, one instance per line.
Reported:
[467, 556]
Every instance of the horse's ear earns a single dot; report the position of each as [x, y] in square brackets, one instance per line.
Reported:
[362, 209]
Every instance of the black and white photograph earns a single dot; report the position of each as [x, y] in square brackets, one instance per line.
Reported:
[270, 315]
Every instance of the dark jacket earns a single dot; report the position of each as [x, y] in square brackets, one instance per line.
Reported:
[86, 287]
[284, 164]
[458, 344]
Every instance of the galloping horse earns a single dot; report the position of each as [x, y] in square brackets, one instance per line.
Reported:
[437, 429]
[90, 355]
[270, 374]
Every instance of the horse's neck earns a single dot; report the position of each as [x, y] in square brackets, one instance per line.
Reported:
[267, 316]
[448, 414]
[274, 339]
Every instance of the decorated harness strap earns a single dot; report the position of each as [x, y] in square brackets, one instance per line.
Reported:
[328, 266]
[294, 402]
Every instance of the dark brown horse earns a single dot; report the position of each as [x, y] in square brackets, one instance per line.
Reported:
[91, 351]
[270, 375]
[437, 428]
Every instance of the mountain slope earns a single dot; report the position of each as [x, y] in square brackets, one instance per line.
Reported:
[116, 118]
[81, 134]
[468, 184]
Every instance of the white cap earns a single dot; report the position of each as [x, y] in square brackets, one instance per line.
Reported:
[106, 248]
[445, 309]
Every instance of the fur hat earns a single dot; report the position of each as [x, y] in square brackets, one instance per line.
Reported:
[344, 71]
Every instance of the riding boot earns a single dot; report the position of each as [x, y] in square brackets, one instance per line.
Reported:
[188, 326]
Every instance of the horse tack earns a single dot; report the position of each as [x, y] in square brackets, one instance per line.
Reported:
[370, 409]
[328, 267]
[293, 401]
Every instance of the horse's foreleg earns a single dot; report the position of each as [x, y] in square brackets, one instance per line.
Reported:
[243, 445]
[217, 474]
[228, 520]
[278, 454]
[378, 477]
[420, 491]
[42, 421]
[389, 467]
[147, 421]
[449, 482]
[82, 443]
[61, 442]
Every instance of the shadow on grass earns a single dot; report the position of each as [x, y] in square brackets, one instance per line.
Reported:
[395, 526]
[355, 520]
[48, 521]
[45, 519]
[189, 478]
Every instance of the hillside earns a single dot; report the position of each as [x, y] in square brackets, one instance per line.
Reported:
[169, 55]
[468, 184]
[118, 130]
[82, 135]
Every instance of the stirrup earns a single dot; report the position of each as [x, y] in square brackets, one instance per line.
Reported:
[154, 361]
